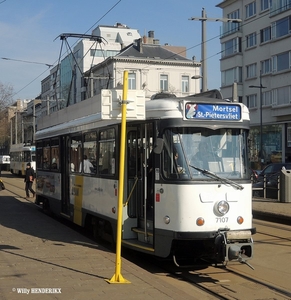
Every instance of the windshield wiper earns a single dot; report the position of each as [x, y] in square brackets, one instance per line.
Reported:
[218, 178]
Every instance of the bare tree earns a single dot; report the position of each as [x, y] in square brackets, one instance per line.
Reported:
[6, 94]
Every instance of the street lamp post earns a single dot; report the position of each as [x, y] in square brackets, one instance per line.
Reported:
[203, 20]
[261, 87]
[197, 77]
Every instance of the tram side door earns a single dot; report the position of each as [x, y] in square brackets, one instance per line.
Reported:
[140, 175]
[65, 196]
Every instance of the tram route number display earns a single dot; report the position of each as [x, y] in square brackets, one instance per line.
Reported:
[223, 112]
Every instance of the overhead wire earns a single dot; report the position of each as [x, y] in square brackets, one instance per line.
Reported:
[29, 83]
[208, 40]
[14, 94]
[74, 58]
[199, 44]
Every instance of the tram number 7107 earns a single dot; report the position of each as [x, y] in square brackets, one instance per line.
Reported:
[222, 220]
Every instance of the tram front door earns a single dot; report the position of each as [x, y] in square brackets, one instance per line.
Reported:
[140, 177]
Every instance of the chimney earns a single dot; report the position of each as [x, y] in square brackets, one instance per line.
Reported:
[151, 36]
[139, 45]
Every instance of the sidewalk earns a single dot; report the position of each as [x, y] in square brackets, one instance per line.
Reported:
[40, 254]
[272, 208]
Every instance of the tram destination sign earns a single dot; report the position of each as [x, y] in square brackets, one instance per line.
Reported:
[203, 111]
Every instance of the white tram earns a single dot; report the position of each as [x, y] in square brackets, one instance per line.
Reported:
[20, 155]
[177, 202]
[4, 159]
[4, 163]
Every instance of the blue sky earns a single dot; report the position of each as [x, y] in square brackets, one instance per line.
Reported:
[28, 29]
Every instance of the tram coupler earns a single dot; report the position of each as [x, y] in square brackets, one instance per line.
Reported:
[234, 245]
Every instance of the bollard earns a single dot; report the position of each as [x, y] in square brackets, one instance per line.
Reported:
[285, 186]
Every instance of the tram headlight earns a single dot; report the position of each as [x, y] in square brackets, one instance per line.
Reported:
[222, 207]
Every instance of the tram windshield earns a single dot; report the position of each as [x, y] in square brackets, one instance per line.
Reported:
[189, 151]
[29, 155]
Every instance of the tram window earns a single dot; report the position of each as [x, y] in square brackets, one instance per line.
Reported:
[39, 156]
[75, 153]
[27, 156]
[55, 154]
[33, 158]
[55, 158]
[46, 155]
[89, 148]
[106, 152]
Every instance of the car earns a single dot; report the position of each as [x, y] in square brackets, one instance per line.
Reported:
[271, 169]
[270, 173]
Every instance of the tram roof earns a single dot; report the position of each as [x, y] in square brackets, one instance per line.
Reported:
[89, 113]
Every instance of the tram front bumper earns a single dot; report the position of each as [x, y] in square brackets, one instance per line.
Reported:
[234, 245]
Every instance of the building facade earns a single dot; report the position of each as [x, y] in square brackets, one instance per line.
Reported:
[51, 97]
[67, 85]
[89, 52]
[256, 53]
[151, 67]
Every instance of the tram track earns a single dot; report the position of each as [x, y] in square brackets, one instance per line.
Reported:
[274, 226]
[215, 282]
[273, 288]
[227, 283]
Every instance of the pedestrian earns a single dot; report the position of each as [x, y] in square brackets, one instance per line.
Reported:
[29, 178]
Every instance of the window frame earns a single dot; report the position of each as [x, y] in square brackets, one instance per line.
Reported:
[252, 101]
[185, 80]
[251, 70]
[265, 34]
[164, 82]
[265, 5]
[229, 76]
[251, 9]
[266, 66]
[132, 81]
[282, 61]
[231, 47]
[251, 40]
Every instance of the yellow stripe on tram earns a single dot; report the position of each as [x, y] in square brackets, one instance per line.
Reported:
[78, 195]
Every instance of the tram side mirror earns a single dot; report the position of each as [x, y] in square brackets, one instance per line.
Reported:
[159, 146]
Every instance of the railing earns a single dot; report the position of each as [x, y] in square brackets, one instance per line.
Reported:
[266, 188]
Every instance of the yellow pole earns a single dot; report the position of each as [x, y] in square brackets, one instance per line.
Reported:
[117, 277]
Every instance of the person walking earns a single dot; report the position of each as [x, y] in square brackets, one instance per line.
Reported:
[29, 177]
